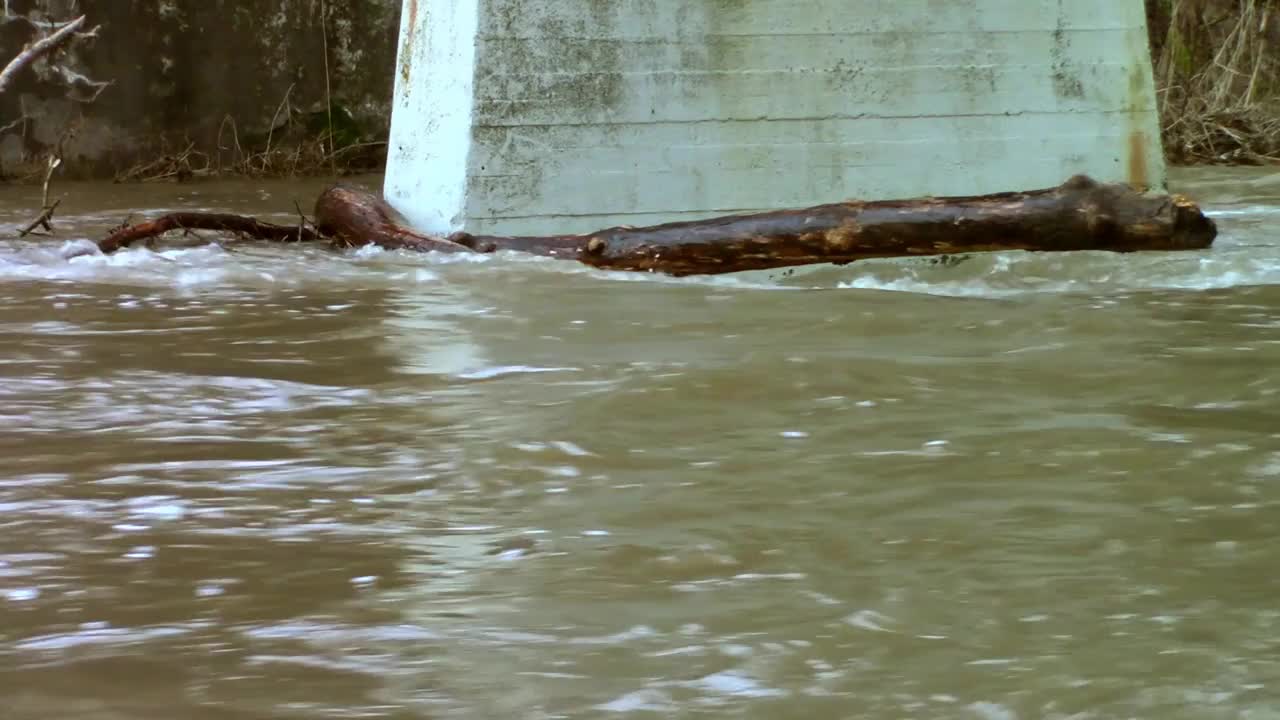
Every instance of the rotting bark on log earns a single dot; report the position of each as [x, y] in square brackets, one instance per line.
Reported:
[1080, 214]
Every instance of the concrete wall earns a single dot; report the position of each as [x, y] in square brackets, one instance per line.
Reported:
[182, 68]
[568, 115]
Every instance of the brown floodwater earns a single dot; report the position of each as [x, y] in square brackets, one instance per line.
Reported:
[254, 481]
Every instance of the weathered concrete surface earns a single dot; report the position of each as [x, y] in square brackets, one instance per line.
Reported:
[434, 103]
[184, 70]
[585, 114]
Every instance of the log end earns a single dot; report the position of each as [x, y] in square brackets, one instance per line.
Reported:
[1080, 182]
[1121, 218]
[1192, 229]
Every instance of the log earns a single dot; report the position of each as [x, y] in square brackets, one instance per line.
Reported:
[354, 218]
[1080, 214]
[125, 235]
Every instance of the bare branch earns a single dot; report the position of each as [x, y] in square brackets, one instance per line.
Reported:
[10, 18]
[38, 49]
[7, 127]
[80, 88]
[44, 220]
[123, 236]
[55, 160]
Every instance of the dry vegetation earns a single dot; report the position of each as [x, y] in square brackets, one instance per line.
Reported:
[310, 132]
[292, 147]
[1216, 65]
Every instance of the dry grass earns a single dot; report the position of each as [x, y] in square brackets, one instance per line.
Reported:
[293, 155]
[293, 145]
[303, 159]
[1216, 65]
[298, 144]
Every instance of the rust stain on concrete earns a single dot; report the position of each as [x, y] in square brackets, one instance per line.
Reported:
[1139, 143]
[1139, 174]
[406, 52]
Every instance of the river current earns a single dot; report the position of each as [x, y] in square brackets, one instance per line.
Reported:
[254, 481]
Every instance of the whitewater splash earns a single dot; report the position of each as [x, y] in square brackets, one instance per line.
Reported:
[1246, 253]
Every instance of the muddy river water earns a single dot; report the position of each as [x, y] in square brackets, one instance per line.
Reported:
[280, 482]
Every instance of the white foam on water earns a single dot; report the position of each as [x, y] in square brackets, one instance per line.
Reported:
[101, 637]
[994, 275]
[869, 620]
[992, 711]
[22, 594]
[1004, 275]
[489, 373]
[1258, 211]
[648, 701]
[1245, 254]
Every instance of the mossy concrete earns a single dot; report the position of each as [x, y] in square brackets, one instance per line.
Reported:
[205, 74]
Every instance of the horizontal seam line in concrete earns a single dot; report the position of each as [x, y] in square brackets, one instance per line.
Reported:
[833, 145]
[852, 69]
[701, 39]
[718, 211]
[821, 118]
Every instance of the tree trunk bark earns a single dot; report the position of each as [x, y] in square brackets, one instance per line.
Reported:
[1080, 214]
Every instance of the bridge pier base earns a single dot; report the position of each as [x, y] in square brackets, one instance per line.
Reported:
[557, 116]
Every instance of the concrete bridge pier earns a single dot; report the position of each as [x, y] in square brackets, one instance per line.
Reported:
[533, 116]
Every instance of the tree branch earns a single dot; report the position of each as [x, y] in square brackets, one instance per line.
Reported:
[38, 49]
[126, 235]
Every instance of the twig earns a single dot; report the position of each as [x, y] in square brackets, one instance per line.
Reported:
[328, 90]
[166, 166]
[235, 135]
[39, 48]
[355, 146]
[44, 220]
[6, 128]
[55, 159]
[92, 89]
[266, 154]
[303, 222]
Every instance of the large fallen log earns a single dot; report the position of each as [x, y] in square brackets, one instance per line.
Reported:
[1080, 214]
